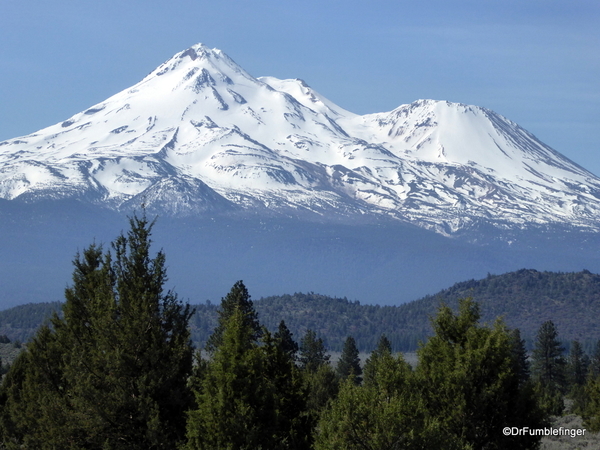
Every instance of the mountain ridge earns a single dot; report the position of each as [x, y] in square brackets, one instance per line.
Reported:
[524, 298]
[201, 136]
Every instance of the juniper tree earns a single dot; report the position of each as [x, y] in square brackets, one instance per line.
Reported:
[385, 412]
[383, 349]
[470, 384]
[112, 372]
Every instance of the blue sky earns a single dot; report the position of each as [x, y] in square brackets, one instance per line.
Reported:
[536, 62]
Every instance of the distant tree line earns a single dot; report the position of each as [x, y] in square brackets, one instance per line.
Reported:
[118, 370]
[525, 298]
[21, 322]
[332, 318]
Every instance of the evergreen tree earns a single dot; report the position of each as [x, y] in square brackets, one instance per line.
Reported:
[577, 365]
[349, 363]
[322, 387]
[548, 369]
[237, 298]
[548, 364]
[250, 394]
[595, 360]
[469, 382]
[312, 352]
[591, 404]
[321, 381]
[520, 358]
[285, 341]
[34, 409]
[292, 423]
[386, 412]
[359, 418]
[591, 408]
[232, 395]
[383, 349]
[112, 373]
[577, 371]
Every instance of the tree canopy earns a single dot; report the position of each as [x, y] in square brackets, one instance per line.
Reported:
[112, 371]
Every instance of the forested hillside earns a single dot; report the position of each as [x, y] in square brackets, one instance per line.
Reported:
[333, 319]
[21, 322]
[525, 298]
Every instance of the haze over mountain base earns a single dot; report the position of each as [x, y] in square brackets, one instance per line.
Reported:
[386, 262]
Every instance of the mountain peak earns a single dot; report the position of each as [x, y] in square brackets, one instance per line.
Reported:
[187, 62]
[201, 129]
[201, 51]
[198, 50]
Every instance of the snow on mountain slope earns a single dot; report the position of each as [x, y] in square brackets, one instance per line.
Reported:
[200, 135]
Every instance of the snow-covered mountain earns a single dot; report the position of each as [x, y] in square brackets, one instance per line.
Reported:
[199, 136]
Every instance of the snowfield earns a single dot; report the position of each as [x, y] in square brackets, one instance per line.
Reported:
[200, 134]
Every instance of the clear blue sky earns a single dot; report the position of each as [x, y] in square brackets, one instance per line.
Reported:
[536, 62]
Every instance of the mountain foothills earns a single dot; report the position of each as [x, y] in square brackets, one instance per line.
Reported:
[199, 136]
[525, 299]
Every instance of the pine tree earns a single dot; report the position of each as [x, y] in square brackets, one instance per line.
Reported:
[312, 352]
[292, 424]
[548, 364]
[321, 380]
[548, 369]
[349, 363]
[285, 341]
[250, 394]
[237, 298]
[232, 395]
[595, 360]
[576, 376]
[520, 358]
[577, 365]
[112, 373]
